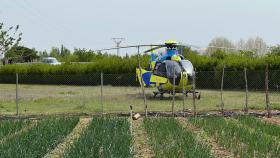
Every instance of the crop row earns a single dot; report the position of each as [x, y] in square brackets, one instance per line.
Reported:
[261, 126]
[111, 137]
[169, 139]
[104, 137]
[242, 140]
[8, 127]
[40, 139]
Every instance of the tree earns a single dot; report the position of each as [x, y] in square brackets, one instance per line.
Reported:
[64, 52]
[275, 50]
[220, 43]
[84, 55]
[21, 54]
[9, 38]
[254, 46]
[55, 52]
[43, 54]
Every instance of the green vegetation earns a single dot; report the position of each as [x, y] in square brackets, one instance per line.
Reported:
[239, 139]
[40, 139]
[117, 65]
[104, 63]
[8, 127]
[233, 61]
[105, 137]
[260, 126]
[20, 54]
[169, 139]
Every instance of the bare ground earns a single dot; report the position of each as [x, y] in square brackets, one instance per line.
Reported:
[216, 149]
[273, 119]
[70, 139]
[141, 146]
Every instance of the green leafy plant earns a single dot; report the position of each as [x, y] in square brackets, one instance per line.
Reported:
[40, 139]
[104, 137]
[169, 139]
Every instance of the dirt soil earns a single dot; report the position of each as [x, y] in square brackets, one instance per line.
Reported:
[70, 139]
[273, 119]
[216, 149]
[141, 146]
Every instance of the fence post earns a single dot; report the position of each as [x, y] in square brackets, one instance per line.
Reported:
[142, 82]
[173, 93]
[131, 119]
[101, 93]
[17, 93]
[246, 86]
[184, 92]
[266, 91]
[194, 94]
[222, 86]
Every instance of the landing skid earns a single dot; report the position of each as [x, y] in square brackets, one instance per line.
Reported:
[161, 95]
[197, 94]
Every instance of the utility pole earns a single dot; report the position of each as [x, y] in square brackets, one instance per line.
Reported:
[118, 41]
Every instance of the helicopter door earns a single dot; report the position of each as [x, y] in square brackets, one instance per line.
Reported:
[159, 74]
[160, 70]
[173, 69]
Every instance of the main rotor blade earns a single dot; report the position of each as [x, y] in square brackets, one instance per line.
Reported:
[155, 48]
[124, 47]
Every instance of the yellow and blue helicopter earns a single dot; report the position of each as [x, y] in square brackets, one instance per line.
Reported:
[169, 73]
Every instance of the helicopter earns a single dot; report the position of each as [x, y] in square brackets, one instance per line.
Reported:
[169, 73]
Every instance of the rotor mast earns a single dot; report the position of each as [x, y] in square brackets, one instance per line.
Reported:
[118, 41]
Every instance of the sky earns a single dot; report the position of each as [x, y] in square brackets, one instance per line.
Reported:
[91, 24]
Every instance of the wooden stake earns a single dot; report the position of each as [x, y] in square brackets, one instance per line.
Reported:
[194, 105]
[142, 83]
[266, 92]
[184, 92]
[173, 93]
[17, 94]
[101, 92]
[246, 86]
[222, 86]
[131, 119]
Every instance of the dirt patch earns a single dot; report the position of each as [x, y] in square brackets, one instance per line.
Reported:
[141, 146]
[217, 150]
[24, 129]
[273, 120]
[70, 139]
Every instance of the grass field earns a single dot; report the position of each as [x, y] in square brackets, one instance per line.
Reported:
[50, 99]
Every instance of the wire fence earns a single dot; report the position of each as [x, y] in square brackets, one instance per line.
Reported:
[114, 93]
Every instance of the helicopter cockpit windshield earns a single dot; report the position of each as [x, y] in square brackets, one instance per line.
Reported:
[188, 67]
[172, 68]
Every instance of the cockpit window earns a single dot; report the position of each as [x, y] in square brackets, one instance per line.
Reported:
[172, 68]
[187, 65]
[160, 69]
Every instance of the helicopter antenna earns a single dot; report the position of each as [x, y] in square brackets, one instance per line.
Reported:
[118, 41]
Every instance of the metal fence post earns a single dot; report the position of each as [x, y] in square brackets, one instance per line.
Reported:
[246, 86]
[17, 94]
[101, 92]
[266, 92]
[222, 86]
